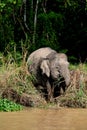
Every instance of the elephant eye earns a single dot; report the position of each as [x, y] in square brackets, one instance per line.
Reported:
[57, 70]
[57, 67]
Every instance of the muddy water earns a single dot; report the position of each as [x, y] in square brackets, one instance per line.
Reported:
[48, 119]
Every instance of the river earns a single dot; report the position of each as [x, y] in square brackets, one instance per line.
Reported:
[44, 119]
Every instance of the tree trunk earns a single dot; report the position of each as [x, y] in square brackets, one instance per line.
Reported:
[25, 14]
[35, 21]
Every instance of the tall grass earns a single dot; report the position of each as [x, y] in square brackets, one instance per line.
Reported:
[15, 75]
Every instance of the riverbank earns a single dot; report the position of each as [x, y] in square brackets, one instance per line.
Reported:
[16, 85]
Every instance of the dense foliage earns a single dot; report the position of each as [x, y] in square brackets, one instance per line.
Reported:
[30, 24]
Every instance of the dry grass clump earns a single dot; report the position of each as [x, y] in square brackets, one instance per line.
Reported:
[16, 85]
[15, 77]
[76, 94]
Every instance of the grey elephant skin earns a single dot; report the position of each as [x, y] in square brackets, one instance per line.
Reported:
[49, 67]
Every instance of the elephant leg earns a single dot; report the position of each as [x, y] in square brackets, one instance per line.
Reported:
[49, 91]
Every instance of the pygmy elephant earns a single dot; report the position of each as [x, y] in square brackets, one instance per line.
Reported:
[49, 67]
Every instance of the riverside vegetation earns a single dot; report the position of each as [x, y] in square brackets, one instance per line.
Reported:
[16, 88]
[29, 25]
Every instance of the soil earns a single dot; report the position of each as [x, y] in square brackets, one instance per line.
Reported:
[23, 99]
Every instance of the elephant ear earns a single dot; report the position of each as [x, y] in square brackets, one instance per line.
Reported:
[45, 67]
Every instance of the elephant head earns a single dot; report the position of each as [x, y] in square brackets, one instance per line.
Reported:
[55, 66]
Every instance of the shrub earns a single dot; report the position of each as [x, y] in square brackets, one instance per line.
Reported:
[7, 105]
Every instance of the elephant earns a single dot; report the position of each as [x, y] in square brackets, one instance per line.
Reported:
[49, 67]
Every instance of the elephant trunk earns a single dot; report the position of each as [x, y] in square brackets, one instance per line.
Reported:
[64, 72]
[67, 79]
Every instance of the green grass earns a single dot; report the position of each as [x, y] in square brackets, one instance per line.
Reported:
[80, 66]
[7, 105]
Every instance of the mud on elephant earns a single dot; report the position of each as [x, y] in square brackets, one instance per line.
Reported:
[50, 70]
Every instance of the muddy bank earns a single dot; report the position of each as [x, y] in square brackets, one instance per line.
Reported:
[74, 97]
[28, 100]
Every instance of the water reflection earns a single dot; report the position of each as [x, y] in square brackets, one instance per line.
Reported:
[48, 119]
